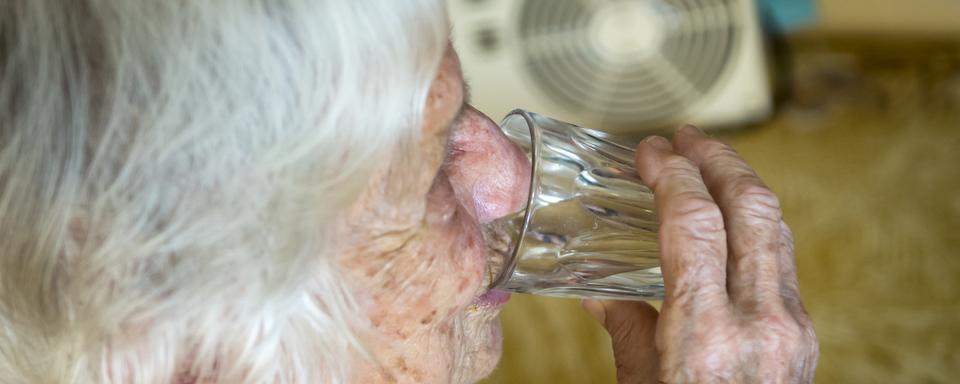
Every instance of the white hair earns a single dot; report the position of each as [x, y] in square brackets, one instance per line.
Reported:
[167, 173]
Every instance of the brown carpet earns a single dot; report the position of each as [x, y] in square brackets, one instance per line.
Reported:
[866, 160]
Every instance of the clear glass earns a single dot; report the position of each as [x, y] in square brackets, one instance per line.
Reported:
[589, 229]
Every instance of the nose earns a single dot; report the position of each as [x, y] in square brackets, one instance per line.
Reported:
[489, 173]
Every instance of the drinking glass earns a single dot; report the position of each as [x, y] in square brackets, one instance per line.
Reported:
[589, 228]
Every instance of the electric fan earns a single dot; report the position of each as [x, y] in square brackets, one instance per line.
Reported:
[617, 65]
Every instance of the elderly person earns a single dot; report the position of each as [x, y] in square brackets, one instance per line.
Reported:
[291, 192]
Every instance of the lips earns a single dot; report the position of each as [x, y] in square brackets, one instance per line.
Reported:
[493, 298]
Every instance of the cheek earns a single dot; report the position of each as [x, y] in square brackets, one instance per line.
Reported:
[450, 256]
[434, 279]
[459, 259]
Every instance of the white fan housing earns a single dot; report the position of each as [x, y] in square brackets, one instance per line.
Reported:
[616, 65]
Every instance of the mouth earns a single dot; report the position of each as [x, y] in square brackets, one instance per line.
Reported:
[489, 303]
[493, 298]
[499, 237]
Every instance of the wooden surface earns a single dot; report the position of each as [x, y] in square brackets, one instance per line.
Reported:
[890, 16]
[866, 160]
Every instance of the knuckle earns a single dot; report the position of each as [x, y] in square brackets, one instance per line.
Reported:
[787, 249]
[781, 324]
[809, 336]
[694, 288]
[675, 165]
[784, 333]
[699, 216]
[812, 344]
[789, 291]
[751, 189]
[786, 233]
[780, 334]
[713, 149]
[757, 200]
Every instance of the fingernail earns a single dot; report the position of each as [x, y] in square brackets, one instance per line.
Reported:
[690, 129]
[657, 142]
[595, 309]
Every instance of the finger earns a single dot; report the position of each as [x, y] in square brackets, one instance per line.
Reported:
[751, 214]
[789, 286]
[790, 291]
[632, 326]
[693, 247]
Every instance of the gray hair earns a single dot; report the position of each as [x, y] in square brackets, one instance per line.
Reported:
[168, 170]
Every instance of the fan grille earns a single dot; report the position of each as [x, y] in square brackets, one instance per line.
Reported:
[662, 55]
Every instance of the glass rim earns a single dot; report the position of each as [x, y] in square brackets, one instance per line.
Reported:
[508, 268]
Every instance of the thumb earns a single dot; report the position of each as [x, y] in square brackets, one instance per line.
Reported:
[632, 326]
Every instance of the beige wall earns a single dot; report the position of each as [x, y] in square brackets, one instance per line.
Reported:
[901, 16]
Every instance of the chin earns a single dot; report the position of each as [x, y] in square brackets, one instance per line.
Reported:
[489, 358]
[481, 349]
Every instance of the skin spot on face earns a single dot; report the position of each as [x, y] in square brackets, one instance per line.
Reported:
[473, 242]
[429, 318]
[416, 375]
[386, 377]
[446, 329]
[401, 335]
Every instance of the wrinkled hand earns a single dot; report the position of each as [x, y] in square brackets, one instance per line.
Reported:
[732, 311]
